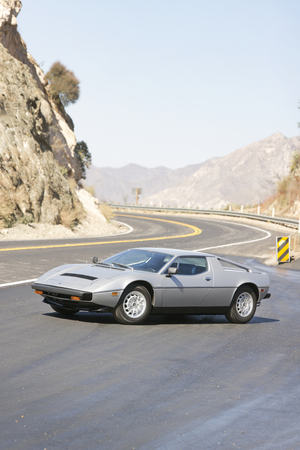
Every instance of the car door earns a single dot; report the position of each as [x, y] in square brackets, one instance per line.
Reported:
[190, 285]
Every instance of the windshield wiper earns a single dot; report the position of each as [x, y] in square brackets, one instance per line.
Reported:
[100, 263]
[112, 265]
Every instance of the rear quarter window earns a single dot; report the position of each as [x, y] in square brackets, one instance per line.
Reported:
[230, 266]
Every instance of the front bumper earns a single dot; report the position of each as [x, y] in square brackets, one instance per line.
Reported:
[72, 305]
[85, 301]
[61, 297]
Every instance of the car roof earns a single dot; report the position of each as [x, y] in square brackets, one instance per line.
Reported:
[173, 251]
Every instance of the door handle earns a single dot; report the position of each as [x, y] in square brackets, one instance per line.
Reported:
[207, 278]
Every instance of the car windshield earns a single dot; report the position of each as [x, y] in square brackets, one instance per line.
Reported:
[149, 261]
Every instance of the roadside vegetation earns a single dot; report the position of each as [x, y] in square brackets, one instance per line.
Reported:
[104, 208]
[90, 190]
[71, 217]
[107, 212]
[286, 199]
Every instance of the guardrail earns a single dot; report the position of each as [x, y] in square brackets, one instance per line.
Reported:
[279, 220]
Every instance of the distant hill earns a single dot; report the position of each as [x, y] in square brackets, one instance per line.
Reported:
[115, 185]
[245, 176]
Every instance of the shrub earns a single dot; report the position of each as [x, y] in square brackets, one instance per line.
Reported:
[69, 217]
[64, 86]
[63, 171]
[295, 163]
[107, 212]
[7, 217]
[85, 158]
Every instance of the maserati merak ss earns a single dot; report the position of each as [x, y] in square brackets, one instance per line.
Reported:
[141, 281]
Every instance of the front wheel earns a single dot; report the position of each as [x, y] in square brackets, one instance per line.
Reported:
[134, 305]
[243, 305]
[64, 311]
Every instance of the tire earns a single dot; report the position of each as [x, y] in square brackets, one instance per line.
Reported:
[134, 306]
[243, 306]
[64, 311]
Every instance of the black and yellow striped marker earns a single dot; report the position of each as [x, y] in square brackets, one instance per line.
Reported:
[283, 248]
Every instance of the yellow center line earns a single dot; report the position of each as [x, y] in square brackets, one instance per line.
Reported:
[195, 232]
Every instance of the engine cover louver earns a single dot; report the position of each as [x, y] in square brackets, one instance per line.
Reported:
[78, 275]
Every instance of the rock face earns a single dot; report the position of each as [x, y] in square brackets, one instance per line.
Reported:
[35, 138]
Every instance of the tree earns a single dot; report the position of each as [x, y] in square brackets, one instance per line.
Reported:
[295, 162]
[64, 86]
[84, 156]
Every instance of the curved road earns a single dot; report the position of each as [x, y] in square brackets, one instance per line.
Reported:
[22, 260]
[173, 383]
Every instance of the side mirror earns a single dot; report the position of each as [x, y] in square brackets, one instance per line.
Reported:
[95, 259]
[172, 271]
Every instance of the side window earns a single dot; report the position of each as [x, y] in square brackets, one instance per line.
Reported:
[192, 265]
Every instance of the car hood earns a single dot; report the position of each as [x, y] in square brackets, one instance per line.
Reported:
[80, 276]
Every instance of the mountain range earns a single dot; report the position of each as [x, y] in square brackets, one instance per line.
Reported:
[245, 176]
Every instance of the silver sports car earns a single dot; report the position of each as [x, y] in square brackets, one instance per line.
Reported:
[142, 281]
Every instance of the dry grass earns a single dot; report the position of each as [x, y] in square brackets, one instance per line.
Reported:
[7, 206]
[69, 217]
[72, 183]
[286, 198]
[90, 189]
[106, 211]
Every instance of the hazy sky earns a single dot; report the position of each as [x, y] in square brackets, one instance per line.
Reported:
[168, 82]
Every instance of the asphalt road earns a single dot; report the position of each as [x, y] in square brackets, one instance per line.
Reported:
[195, 382]
[21, 260]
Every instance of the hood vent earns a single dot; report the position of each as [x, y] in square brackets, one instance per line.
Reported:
[78, 275]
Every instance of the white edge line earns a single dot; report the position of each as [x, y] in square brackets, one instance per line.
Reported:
[121, 234]
[239, 243]
[15, 283]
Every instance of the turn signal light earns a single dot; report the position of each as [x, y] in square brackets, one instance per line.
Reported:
[38, 292]
[114, 293]
[75, 298]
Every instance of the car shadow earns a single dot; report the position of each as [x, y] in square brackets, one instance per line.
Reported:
[170, 319]
[84, 317]
[198, 319]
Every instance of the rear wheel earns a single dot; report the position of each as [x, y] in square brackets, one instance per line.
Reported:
[134, 305]
[64, 311]
[243, 305]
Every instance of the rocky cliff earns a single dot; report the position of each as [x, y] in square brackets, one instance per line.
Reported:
[36, 139]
